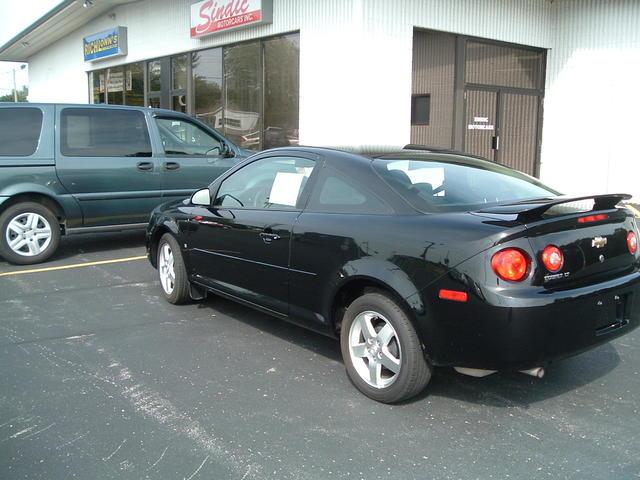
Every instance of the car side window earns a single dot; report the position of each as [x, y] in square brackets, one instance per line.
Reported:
[181, 137]
[270, 183]
[19, 131]
[102, 132]
[337, 194]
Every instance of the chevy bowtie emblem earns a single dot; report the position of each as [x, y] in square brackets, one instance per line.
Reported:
[599, 242]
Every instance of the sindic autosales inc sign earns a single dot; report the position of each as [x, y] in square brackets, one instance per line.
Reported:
[214, 16]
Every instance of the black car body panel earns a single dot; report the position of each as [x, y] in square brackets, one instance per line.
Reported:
[413, 255]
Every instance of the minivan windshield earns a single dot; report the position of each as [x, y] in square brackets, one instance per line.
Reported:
[457, 183]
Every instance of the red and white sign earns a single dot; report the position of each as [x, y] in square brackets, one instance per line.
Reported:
[212, 16]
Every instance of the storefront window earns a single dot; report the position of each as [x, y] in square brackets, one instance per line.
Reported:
[242, 92]
[155, 79]
[179, 83]
[134, 83]
[250, 91]
[490, 64]
[115, 86]
[207, 85]
[98, 87]
[281, 91]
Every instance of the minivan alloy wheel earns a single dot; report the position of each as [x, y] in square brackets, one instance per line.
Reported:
[28, 234]
[375, 349]
[166, 268]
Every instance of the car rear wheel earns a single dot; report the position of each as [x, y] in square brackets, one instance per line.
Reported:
[30, 233]
[172, 271]
[381, 350]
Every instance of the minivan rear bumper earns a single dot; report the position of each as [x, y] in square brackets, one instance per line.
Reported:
[503, 332]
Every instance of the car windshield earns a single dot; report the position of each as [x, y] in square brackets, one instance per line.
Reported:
[457, 183]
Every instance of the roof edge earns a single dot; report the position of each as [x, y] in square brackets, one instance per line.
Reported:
[31, 28]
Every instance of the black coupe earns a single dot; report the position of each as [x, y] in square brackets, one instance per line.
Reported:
[413, 259]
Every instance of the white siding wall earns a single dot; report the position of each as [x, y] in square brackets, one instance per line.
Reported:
[355, 70]
[590, 135]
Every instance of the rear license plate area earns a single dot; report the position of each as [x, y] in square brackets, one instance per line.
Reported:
[613, 313]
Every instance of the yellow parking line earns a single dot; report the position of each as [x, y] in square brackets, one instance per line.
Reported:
[75, 265]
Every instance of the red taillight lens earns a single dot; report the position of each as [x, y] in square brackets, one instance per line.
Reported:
[593, 218]
[632, 242]
[552, 258]
[510, 264]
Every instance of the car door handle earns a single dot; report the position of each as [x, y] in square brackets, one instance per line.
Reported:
[171, 165]
[144, 166]
[269, 237]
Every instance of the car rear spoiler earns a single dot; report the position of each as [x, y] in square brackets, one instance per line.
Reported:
[536, 208]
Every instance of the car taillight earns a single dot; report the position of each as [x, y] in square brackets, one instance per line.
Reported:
[552, 258]
[510, 264]
[632, 242]
[593, 218]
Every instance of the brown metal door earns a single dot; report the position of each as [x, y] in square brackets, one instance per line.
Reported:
[518, 131]
[481, 123]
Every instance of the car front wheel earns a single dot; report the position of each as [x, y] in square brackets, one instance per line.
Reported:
[381, 350]
[172, 271]
[30, 233]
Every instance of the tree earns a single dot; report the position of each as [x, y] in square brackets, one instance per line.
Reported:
[22, 95]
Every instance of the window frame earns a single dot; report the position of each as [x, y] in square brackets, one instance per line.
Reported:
[303, 198]
[414, 98]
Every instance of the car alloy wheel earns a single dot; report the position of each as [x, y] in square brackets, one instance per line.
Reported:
[166, 268]
[28, 234]
[375, 349]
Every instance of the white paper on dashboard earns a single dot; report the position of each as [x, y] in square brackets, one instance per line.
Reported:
[285, 189]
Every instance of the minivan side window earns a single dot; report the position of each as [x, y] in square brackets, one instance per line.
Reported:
[103, 132]
[19, 131]
[181, 137]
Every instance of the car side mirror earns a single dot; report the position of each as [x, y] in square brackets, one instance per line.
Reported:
[202, 198]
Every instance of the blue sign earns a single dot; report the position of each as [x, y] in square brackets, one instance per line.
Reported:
[106, 44]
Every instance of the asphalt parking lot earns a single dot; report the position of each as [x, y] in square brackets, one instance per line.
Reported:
[101, 378]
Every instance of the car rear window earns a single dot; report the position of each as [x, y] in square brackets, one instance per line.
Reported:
[98, 132]
[19, 131]
[457, 183]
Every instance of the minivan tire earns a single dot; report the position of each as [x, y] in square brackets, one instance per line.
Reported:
[20, 216]
[404, 347]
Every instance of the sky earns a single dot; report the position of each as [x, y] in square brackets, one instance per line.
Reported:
[15, 16]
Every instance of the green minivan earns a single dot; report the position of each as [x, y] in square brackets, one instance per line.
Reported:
[68, 169]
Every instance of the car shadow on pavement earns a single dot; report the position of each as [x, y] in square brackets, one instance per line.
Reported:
[502, 389]
[289, 332]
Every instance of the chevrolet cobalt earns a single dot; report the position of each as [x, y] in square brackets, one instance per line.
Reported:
[413, 260]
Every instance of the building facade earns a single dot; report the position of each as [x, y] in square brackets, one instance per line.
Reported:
[545, 86]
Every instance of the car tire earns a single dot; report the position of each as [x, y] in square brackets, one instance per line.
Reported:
[29, 233]
[172, 271]
[382, 353]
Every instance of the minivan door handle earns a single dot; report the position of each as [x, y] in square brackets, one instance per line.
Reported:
[144, 166]
[171, 165]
